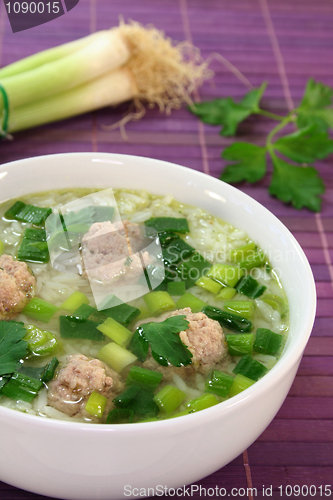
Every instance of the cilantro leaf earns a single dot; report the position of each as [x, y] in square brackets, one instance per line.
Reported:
[250, 163]
[313, 109]
[227, 112]
[305, 145]
[300, 186]
[164, 341]
[12, 347]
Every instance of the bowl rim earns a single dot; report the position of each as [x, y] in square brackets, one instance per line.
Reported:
[285, 363]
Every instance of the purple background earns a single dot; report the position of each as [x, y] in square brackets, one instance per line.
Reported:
[283, 42]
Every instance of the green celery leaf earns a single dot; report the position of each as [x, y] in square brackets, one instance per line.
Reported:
[252, 99]
[12, 347]
[227, 112]
[305, 145]
[250, 163]
[300, 186]
[313, 109]
[234, 114]
[164, 341]
[316, 95]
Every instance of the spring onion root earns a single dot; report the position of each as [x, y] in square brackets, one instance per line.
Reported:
[125, 63]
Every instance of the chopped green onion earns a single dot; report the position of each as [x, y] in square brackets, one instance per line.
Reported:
[243, 252]
[147, 379]
[126, 396]
[176, 288]
[244, 308]
[256, 260]
[123, 313]
[74, 301]
[40, 342]
[120, 416]
[276, 302]
[159, 302]
[85, 311]
[169, 398]
[226, 293]
[239, 384]
[72, 327]
[267, 342]
[228, 320]
[191, 301]
[176, 251]
[2, 247]
[116, 357]
[166, 238]
[191, 269]
[219, 383]
[40, 310]
[21, 387]
[49, 370]
[226, 274]
[240, 343]
[96, 404]
[209, 284]
[202, 402]
[117, 332]
[28, 213]
[138, 400]
[250, 287]
[250, 368]
[167, 224]
[144, 313]
[34, 246]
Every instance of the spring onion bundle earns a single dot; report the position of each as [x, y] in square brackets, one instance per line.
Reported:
[128, 62]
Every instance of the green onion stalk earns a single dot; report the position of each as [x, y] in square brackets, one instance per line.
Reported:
[128, 62]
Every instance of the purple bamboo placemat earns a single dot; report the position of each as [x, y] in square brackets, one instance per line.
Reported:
[283, 43]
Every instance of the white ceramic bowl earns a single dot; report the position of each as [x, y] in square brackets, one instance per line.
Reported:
[84, 461]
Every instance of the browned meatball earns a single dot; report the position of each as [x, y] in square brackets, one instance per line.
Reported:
[108, 251]
[17, 286]
[70, 390]
[204, 338]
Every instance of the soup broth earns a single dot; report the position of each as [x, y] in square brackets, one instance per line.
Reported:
[212, 321]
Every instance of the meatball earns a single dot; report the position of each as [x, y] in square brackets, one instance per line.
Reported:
[204, 338]
[70, 390]
[109, 251]
[17, 286]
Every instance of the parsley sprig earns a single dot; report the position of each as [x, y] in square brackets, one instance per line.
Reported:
[12, 346]
[294, 180]
[166, 346]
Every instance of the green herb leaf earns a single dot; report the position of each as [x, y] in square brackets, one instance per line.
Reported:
[313, 109]
[12, 347]
[305, 145]
[252, 99]
[164, 341]
[227, 112]
[139, 345]
[250, 163]
[300, 186]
